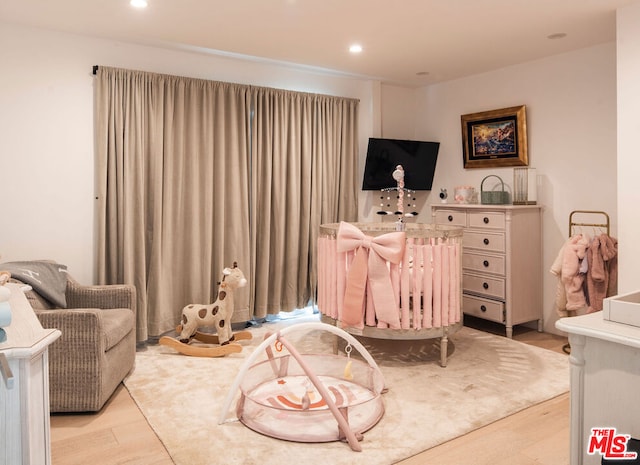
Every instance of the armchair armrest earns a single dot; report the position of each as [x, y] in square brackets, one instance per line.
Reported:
[105, 296]
[76, 359]
[81, 332]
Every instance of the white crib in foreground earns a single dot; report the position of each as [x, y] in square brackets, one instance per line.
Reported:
[425, 283]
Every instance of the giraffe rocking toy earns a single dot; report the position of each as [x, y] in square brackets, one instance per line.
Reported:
[218, 314]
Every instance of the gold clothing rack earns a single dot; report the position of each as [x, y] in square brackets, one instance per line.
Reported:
[581, 214]
[581, 218]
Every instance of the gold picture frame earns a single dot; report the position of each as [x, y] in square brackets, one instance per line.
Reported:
[495, 138]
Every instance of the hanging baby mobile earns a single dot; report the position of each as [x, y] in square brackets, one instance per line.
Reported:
[398, 176]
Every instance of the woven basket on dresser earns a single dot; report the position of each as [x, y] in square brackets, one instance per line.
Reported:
[494, 197]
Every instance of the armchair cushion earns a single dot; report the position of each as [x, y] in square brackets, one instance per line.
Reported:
[48, 278]
[116, 324]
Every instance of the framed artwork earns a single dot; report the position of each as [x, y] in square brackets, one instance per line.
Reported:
[495, 138]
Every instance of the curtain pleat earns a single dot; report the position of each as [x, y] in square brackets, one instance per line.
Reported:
[173, 190]
[304, 162]
[193, 175]
[281, 174]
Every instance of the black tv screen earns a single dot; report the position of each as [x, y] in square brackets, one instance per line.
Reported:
[418, 159]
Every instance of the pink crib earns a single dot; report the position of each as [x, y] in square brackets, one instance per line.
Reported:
[376, 282]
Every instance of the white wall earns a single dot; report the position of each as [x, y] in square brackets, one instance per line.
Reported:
[398, 109]
[46, 116]
[571, 118]
[46, 152]
[628, 47]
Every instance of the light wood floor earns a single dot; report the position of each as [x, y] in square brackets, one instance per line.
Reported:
[119, 434]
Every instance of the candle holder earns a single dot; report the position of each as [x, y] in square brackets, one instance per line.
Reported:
[525, 186]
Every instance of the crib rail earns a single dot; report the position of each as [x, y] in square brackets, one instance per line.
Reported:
[426, 284]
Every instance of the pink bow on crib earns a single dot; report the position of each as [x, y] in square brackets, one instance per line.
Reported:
[370, 263]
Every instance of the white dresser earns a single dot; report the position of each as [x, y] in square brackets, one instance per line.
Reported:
[24, 387]
[605, 380]
[501, 260]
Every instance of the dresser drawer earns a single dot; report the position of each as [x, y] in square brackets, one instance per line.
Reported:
[488, 220]
[487, 241]
[451, 217]
[483, 308]
[484, 262]
[484, 285]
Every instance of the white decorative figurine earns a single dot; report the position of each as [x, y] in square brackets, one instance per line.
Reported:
[443, 195]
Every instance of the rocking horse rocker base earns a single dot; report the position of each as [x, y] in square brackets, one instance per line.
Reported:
[206, 338]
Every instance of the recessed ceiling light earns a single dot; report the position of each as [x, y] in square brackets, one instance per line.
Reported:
[355, 48]
[557, 35]
[138, 3]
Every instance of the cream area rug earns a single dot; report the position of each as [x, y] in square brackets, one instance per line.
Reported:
[487, 378]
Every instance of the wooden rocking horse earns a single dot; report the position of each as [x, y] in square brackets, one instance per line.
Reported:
[218, 314]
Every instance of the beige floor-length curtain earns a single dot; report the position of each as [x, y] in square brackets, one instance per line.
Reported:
[193, 175]
[304, 163]
[172, 188]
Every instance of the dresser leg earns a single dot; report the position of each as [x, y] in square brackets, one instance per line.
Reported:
[510, 332]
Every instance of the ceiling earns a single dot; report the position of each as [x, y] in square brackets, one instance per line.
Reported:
[405, 42]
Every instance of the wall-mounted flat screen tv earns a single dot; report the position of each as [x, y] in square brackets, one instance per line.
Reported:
[418, 159]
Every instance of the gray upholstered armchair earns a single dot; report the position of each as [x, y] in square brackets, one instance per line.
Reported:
[98, 344]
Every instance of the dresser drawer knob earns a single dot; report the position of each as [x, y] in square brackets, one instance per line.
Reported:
[483, 308]
[486, 241]
[486, 220]
[485, 285]
[450, 217]
[485, 263]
